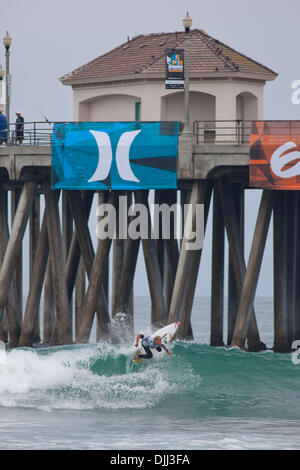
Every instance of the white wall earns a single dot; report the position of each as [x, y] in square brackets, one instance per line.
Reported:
[113, 108]
[247, 106]
[202, 107]
[108, 108]
[215, 100]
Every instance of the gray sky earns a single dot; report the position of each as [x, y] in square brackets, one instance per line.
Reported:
[52, 38]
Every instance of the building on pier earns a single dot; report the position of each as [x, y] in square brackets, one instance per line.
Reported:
[128, 83]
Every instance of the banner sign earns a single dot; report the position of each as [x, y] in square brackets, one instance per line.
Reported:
[175, 68]
[115, 155]
[275, 155]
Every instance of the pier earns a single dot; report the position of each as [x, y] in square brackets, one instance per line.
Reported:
[61, 252]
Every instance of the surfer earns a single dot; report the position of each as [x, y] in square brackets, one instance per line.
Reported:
[149, 343]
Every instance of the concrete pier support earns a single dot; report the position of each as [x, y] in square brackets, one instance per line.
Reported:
[297, 269]
[14, 243]
[188, 266]
[253, 269]
[292, 217]
[171, 253]
[126, 280]
[49, 304]
[62, 331]
[159, 311]
[34, 231]
[281, 314]
[239, 266]
[15, 196]
[118, 258]
[3, 215]
[88, 256]
[28, 331]
[97, 275]
[233, 295]
[217, 279]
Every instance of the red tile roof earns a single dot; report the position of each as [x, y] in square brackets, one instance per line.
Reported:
[146, 54]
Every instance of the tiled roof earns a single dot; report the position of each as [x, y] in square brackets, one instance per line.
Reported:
[146, 54]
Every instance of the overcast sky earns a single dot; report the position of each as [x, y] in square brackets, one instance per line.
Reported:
[51, 38]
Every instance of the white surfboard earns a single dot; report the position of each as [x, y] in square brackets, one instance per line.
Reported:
[166, 333]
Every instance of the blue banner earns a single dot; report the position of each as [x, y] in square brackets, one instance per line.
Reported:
[115, 155]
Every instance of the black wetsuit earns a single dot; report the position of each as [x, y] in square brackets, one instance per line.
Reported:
[147, 349]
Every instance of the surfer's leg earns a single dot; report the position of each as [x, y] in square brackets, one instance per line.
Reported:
[148, 354]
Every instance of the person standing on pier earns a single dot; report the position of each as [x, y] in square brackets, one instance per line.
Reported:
[19, 128]
[3, 128]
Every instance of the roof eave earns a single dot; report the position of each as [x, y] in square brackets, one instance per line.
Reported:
[158, 75]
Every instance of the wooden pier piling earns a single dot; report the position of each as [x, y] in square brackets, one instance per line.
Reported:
[67, 264]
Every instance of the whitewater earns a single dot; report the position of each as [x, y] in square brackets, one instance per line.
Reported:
[94, 397]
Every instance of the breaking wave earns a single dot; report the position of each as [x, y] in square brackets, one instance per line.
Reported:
[196, 381]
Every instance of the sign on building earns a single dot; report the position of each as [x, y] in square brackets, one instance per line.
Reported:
[175, 68]
[275, 155]
[115, 155]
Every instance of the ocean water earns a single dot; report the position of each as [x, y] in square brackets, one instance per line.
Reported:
[94, 397]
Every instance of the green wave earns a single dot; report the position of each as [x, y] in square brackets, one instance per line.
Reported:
[197, 381]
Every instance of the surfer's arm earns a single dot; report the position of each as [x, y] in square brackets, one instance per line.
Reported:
[138, 338]
[167, 351]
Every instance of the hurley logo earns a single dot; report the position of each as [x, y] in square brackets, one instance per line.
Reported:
[122, 156]
[280, 159]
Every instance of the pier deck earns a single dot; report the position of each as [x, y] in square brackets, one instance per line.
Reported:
[24, 162]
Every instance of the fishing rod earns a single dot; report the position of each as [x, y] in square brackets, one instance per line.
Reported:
[44, 116]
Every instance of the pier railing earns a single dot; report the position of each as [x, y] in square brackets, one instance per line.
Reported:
[222, 132]
[35, 133]
[39, 133]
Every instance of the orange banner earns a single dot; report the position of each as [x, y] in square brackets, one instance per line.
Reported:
[275, 155]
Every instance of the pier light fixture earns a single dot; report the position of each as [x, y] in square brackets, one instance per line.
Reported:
[7, 41]
[2, 73]
[187, 24]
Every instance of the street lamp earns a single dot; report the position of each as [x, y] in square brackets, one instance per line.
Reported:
[187, 24]
[1, 78]
[7, 43]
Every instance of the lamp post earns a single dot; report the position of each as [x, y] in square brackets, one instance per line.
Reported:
[7, 43]
[187, 24]
[1, 78]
